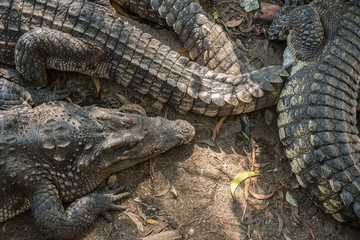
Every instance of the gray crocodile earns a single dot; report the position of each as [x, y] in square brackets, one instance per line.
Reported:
[87, 36]
[317, 107]
[60, 152]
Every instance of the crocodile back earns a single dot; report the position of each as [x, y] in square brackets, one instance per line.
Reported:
[317, 114]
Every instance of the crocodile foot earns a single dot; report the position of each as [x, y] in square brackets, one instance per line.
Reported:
[107, 199]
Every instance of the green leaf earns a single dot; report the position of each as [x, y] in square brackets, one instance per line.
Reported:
[246, 136]
[239, 179]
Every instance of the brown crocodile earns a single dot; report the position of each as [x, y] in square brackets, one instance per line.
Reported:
[60, 152]
[87, 36]
[317, 107]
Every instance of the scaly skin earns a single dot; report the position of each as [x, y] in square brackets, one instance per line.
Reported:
[59, 152]
[13, 94]
[88, 37]
[205, 40]
[317, 107]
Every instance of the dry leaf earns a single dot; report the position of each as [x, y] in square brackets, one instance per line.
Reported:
[158, 228]
[290, 199]
[136, 220]
[97, 83]
[152, 221]
[268, 11]
[234, 23]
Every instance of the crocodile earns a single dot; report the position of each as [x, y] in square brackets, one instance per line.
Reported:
[87, 36]
[13, 94]
[59, 152]
[317, 106]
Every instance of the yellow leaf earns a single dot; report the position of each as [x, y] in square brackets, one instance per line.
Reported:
[97, 83]
[215, 15]
[69, 99]
[239, 179]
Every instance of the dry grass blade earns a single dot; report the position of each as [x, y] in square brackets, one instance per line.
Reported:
[167, 189]
[168, 235]
[247, 182]
[286, 236]
[217, 127]
[280, 221]
[261, 196]
[308, 226]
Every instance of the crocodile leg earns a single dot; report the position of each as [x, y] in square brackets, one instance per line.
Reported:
[43, 48]
[205, 40]
[54, 221]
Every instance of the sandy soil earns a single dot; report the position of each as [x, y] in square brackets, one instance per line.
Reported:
[200, 173]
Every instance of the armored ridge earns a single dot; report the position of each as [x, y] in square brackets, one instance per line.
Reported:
[317, 107]
[60, 152]
[89, 38]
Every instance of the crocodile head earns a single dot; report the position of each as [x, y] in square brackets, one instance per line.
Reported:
[99, 141]
[128, 139]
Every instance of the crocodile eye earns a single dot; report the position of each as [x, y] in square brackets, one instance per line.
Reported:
[126, 120]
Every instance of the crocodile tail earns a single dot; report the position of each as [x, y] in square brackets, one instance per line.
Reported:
[205, 40]
[151, 68]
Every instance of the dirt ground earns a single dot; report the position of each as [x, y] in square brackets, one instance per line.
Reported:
[186, 191]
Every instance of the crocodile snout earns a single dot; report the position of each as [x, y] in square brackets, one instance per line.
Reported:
[186, 131]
